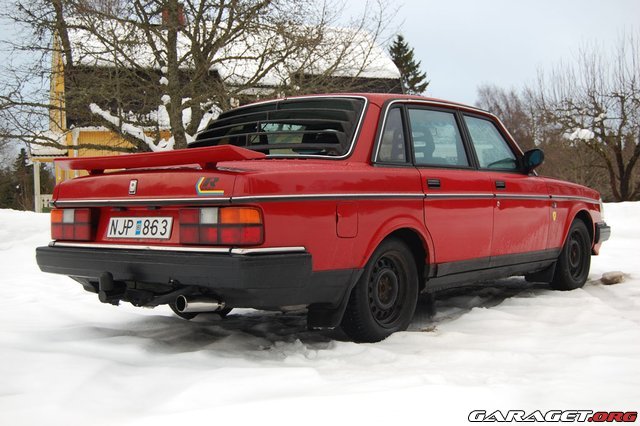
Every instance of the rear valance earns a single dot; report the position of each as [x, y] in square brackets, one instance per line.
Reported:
[206, 157]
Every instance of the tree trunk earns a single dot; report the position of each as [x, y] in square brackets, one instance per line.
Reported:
[174, 108]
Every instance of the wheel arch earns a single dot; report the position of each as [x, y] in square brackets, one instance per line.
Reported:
[417, 240]
[584, 216]
[580, 212]
[417, 247]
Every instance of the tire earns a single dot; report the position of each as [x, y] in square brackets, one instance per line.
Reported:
[384, 299]
[574, 261]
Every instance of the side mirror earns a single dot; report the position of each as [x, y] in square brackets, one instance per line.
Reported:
[532, 159]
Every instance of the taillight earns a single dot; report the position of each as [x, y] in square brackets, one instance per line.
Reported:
[71, 224]
[238, 226]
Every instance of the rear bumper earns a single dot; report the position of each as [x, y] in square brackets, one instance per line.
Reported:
[603, 232]
[258, 281]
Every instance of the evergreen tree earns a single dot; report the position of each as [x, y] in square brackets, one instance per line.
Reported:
[23, 181]
[7, 190]
[414, 82]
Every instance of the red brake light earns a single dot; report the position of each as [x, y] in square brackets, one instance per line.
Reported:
[222, 226]
[71, 224]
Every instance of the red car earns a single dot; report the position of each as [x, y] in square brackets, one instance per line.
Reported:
[347, 205]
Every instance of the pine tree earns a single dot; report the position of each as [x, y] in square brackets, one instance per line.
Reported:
[414, 82]
[23, 181]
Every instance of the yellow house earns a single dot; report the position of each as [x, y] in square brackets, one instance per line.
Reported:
[75, 142]
[375, 71]
[78, 141]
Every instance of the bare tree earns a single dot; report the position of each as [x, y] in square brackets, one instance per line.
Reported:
[155, 71]
[595, 103]
[514, 110]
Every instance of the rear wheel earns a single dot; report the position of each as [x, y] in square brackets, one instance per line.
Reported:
[574, 262]
[384, 299]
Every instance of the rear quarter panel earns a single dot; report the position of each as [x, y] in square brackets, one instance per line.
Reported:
[300, 203]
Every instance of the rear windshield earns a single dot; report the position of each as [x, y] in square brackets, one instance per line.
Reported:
[296, 127]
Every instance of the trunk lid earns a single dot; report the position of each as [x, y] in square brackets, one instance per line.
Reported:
[148, 178]
[140, 200]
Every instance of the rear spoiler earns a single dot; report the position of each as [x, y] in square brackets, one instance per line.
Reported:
[206, 157]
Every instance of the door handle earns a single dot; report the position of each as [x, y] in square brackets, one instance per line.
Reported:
[433, 183]
[500, 184]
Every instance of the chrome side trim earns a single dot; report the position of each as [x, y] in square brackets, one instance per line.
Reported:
[226, 200]
[308, 197]
[574, 198]
[372, 195]
[267, 250]
[78, 202]
[460, 196]
[140, 247]
[227, 250]
[523, 196]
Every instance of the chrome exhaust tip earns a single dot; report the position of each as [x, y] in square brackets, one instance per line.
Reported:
[197, 304]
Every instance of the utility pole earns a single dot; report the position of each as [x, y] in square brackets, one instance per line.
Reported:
[36, 187]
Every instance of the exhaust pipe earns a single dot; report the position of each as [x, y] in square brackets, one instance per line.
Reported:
[198, 304]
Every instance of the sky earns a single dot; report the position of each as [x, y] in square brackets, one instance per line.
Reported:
[463, 44]
[467, 43]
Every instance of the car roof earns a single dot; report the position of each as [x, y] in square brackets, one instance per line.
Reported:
[378, 99]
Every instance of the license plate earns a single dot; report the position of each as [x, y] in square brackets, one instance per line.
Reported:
[140, 227]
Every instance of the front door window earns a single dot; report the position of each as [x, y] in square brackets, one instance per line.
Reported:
[492, 150]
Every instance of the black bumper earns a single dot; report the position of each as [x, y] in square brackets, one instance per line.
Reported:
[258, 281]
[603, 232]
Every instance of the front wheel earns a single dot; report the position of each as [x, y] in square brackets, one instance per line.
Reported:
[574, 261]
[384, 299]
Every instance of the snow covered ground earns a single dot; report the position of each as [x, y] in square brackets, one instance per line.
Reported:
[66, 359]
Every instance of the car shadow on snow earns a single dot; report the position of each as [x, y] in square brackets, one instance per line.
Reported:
[449, 305]
[247, 330]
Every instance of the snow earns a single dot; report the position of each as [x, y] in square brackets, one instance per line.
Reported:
[340, 51]
[36, 149]
[68, 359]
[165, 99]
[137, 131]
[581, 134]
[207, 117]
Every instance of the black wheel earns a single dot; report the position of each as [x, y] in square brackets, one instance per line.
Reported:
[574, 261]
[384, 299]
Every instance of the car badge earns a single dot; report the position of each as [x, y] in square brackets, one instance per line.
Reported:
[133, 186]
[207, 186]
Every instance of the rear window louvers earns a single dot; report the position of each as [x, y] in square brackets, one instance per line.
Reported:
[323, 126]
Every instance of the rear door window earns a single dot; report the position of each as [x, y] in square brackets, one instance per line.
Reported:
[436, 138]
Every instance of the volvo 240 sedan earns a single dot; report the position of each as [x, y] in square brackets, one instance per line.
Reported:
[348, 206]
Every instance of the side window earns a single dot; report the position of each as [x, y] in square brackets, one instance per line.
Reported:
[392, 146]
[436, 139]
[492, 150]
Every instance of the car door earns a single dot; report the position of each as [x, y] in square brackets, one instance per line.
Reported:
[458, 205]
[521, 213]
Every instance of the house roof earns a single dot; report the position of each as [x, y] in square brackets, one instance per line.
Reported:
[355, 51]
[36, 149]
